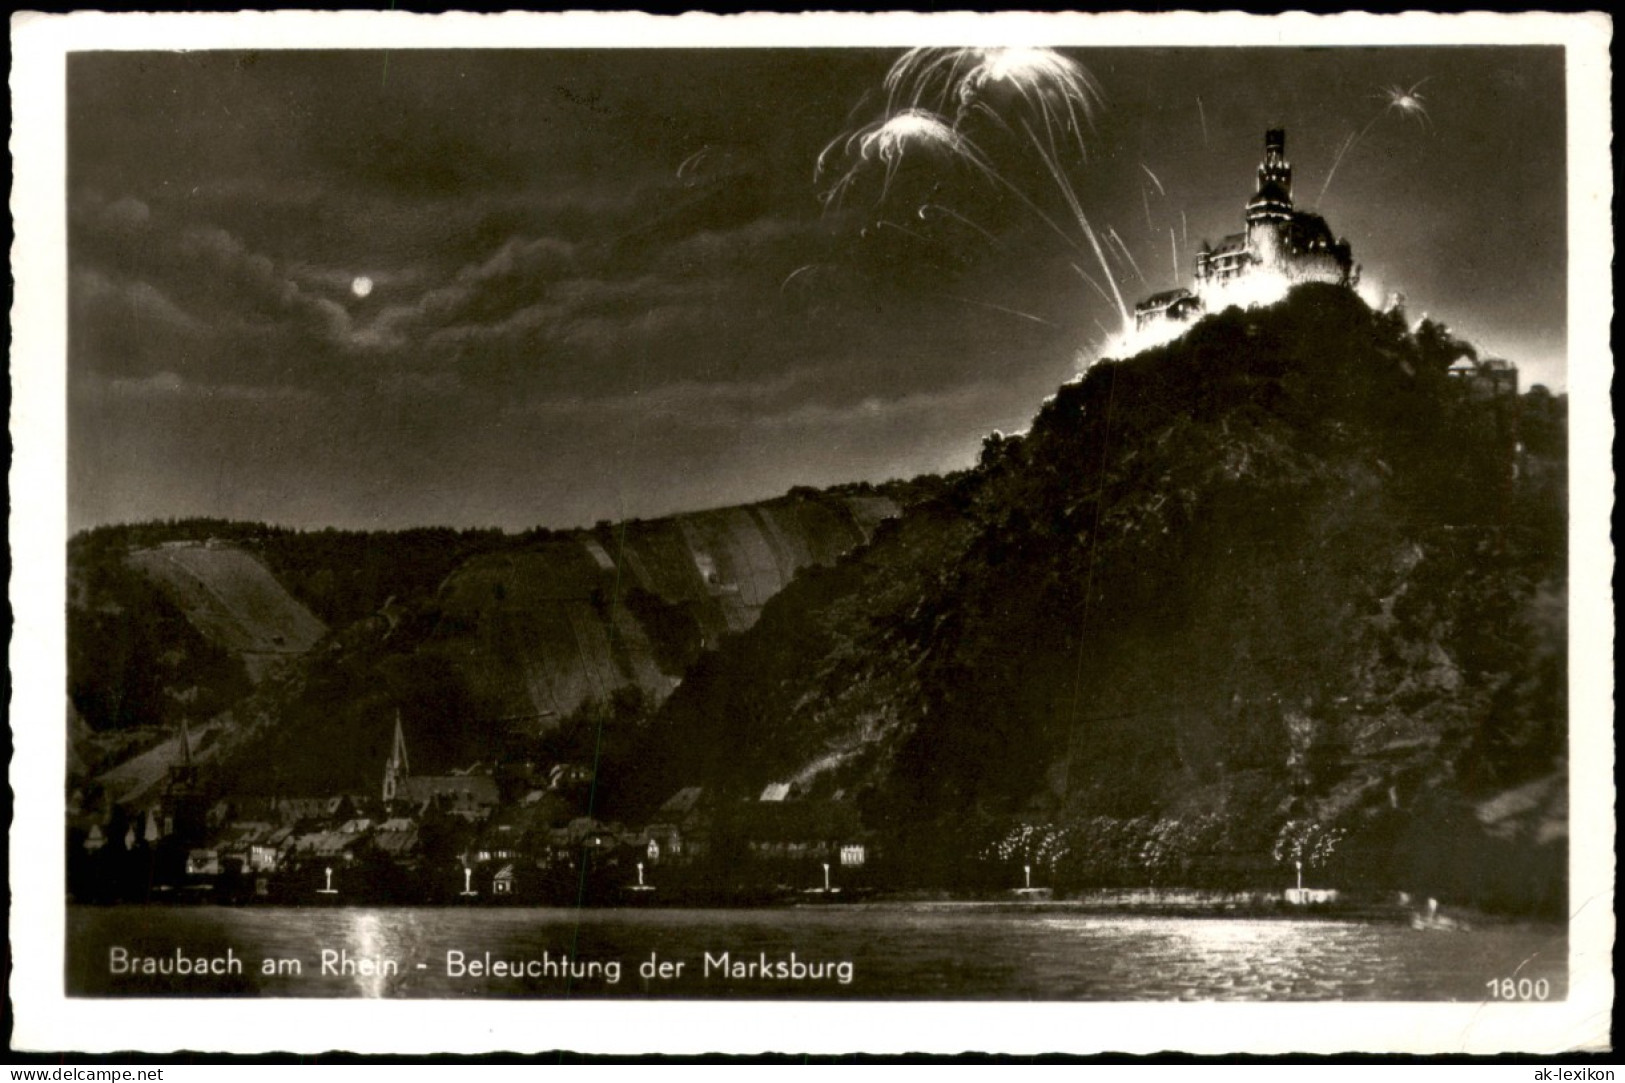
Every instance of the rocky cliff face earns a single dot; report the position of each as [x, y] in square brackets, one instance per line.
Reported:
[1283, 575]
[518, 635]
[539, 631]
[232, 600]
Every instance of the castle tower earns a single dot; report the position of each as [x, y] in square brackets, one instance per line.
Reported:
[396, 767]
[1269, 212]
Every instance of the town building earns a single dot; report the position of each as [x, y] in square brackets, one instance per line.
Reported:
[397, 840]
[805, 830]
[684, 823]
[1489, 378]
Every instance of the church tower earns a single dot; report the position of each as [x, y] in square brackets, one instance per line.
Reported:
[396, 768]
[1269, 212]
[184, 802]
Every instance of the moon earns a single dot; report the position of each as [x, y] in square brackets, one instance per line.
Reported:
[361, 285]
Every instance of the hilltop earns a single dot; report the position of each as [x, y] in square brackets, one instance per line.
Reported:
[1285, 585]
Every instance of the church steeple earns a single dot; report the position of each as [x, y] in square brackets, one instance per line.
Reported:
[183, 776]
[396, 767]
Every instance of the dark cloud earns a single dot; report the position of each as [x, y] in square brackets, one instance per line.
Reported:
[131, 327]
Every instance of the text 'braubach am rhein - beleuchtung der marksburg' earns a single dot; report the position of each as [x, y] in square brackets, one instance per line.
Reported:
[456, 964]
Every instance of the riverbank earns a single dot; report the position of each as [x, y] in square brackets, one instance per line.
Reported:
[1388, 908]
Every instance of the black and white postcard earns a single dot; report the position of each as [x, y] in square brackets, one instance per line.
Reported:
[813, 534]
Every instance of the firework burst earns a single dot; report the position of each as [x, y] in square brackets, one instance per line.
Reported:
[1054, 90]
[888, 142]
[1406, 102]
[1042, 98]
[1057, 95]
[927, 78]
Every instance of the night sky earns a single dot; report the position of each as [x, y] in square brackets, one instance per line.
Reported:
[482, 288]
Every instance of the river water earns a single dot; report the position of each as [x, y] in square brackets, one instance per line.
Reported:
[861, 952]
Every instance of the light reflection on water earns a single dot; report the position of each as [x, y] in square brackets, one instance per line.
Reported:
[896, 951]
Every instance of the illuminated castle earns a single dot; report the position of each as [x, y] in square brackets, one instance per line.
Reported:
[1280, 248]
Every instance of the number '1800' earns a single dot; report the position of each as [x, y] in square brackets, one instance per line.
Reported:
[1520, 989]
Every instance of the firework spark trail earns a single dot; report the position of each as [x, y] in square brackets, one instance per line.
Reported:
[1114, 245]
[692, 162]
[799, 270]
[1338, 160]
[1184, 228]
[1090, 279]
[1161, 191]
[1083, 223]
[1073, 204]
[1173, 248]
[1118, 262]
[885, 222]
[1132, 262]
[1061, 233]
[951, 213]
[1065, 96]
[1145, 198]
[889, 141]
[1202, 113]
[997, 308]
[1396, 99]
[1061, 93]
[949, 296]
[926, 76]
[1058, 89]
